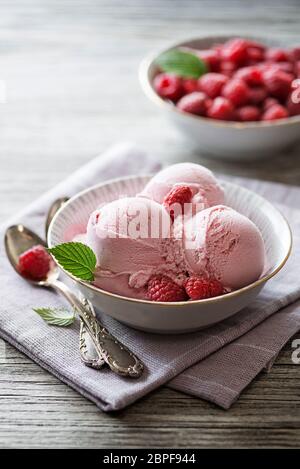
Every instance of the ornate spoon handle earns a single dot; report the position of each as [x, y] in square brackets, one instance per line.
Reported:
[87, 349]
[118, 357]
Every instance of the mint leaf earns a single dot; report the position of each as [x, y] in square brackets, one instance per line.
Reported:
[181, 63]
[76, 258]
[56, 316]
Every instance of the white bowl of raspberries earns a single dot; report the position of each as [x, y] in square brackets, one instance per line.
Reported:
[235, 98]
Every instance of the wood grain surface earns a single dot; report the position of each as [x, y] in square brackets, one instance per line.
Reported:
[70, 69]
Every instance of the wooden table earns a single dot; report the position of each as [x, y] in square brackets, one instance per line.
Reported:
[72, 90]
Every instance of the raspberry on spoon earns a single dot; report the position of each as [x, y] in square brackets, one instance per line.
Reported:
[35, 263]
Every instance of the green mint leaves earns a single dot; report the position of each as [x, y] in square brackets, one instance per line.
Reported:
[181, 63]
[56, 316]
[76, 258]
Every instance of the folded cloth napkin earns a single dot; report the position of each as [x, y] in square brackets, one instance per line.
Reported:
[215, 364]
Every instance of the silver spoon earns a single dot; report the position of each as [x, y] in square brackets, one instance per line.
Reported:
[56, 205]
[87, 351]
[18, 239]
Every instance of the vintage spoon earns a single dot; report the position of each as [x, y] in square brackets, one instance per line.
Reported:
[57, 204]
[87, 350]
[18, 239]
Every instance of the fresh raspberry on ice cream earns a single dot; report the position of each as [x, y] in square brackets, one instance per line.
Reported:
[199, 288]
[162, 288]
[178, 195]
[204, 185]
[35, 263]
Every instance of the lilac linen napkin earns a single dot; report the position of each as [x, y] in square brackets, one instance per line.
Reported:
[215, 364]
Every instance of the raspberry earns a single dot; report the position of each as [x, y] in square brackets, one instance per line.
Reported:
[278, 83]
[227, 68]
[236, 91]
[221, 109]
[276, 54]
[35, 263]
[251, 75]
[212, 84]
[178, 195]
[297, 69]
[275, 112]
[218, 48]
[256, 45]
[294, 107]
[162, 288]
[199, 288]
[296, 53]
[286, 67]
[255, 54]
[211, 58]
[257, 94]
[168, 86]
[193, 103]
[235, 50]
[268, 102]
[208, 103]
[248, 113]
[189, 85]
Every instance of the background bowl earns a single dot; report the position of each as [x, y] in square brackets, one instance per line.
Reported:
[175, 317]
[221, 139]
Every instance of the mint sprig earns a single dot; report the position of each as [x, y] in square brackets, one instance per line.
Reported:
[181, 63]
[56, 316]
[76, 258]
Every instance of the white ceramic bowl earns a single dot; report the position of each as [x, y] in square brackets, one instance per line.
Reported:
[176, 317]
[221, 139]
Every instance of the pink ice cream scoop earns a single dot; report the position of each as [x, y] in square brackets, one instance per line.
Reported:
[205, 188]
[131, 238]
[221, 243]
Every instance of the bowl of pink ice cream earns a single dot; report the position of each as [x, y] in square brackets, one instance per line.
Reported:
[177, 251]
